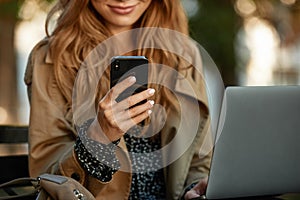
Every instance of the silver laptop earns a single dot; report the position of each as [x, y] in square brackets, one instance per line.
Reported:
[257, 146]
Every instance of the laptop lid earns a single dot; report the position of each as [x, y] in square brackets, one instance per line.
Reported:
[257, 147]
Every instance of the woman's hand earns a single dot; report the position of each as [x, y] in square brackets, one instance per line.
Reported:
[114, 119]
[198, 190]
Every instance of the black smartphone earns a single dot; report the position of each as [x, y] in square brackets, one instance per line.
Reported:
[125, 66]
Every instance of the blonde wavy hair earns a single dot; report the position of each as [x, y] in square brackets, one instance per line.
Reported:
[79, 29]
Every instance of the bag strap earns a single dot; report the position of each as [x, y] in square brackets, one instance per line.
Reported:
[18, 188]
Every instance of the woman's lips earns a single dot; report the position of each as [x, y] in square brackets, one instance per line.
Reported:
[122, 10]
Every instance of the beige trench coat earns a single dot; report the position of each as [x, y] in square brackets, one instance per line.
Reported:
[52, 135]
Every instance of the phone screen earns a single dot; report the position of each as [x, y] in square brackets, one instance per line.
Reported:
[125, 66]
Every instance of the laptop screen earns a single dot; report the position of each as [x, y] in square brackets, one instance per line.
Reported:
[257, 146]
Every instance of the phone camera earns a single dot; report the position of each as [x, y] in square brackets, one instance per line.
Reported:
[117, 65]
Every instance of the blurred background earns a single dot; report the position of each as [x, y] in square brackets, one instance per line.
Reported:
[253, 42]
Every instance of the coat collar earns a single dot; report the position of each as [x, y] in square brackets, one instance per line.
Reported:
[48, 58]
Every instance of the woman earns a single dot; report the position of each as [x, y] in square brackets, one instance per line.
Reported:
[58, 146]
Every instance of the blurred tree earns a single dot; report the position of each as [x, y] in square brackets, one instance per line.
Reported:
[10, 16]
[283, 15]
[214, 27]
[8, 69]
[282, 18]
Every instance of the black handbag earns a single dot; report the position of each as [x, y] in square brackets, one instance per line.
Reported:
[46, 186]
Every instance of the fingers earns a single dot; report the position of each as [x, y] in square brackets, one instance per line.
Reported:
[137, 110]
[137, 114]
[116, 118]
[191, 194]
[127, 118]
[121, 87]
[127, 111]
[109, 99]
[130, 122]
[135, 99]
[198, 190]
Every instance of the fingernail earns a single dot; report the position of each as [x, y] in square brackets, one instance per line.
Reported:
[132, 79]
[149, 112]
[151, 102]
[151, 91]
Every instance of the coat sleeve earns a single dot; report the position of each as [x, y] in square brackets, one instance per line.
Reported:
[200, 163]
[51, 133]
[201, 150]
